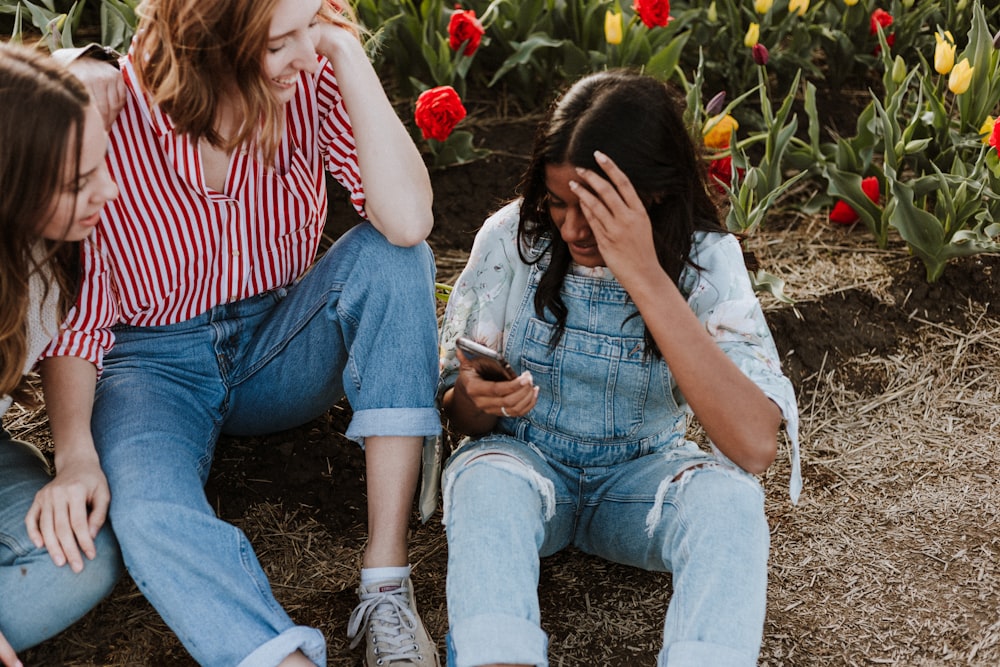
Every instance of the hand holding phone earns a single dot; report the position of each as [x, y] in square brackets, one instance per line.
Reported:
[489, 363]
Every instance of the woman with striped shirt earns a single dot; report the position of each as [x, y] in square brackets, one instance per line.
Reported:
[58, 557]
[202, 310]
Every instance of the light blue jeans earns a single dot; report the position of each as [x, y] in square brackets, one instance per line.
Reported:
[37, 599]
[507, 506]
[360, 323]
[601, 463]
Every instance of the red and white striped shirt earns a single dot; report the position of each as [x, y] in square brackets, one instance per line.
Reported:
[169, 247]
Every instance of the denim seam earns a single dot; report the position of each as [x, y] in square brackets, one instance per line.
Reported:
[298, 326]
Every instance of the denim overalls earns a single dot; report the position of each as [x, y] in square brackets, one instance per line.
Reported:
[600, 462]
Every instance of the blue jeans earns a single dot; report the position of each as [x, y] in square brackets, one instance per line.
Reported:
[506, 505]
[361, 323]
[39, 600]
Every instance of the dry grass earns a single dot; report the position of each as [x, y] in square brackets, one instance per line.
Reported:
[889, 558]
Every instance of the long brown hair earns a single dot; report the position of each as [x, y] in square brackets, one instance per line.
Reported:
[42, 111]
[190, 54]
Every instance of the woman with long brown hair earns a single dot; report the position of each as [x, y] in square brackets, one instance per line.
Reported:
[57, 556]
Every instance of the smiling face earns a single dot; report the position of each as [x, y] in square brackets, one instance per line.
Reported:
[77, 206]
[564, 209]
[291, 45]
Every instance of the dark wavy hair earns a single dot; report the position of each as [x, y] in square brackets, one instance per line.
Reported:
[637, 121]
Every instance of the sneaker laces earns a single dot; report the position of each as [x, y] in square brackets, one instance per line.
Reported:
[391, 624]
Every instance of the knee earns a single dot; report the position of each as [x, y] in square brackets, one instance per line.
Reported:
[497, 487]
[727, 505]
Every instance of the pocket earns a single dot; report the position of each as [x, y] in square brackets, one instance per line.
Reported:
[592, 386]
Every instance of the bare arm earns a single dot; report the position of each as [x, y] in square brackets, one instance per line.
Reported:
[69, 510]
[739, 418]
[7, 656]
[397, 186]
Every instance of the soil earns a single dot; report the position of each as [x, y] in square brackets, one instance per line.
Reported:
[313, 474]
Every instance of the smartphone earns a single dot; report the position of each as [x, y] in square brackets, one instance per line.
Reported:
[489, 363]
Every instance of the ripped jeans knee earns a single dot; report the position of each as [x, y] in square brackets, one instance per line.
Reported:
[494, 475]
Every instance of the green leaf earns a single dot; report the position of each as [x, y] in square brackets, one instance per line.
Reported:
[763, 281]
[524, 53]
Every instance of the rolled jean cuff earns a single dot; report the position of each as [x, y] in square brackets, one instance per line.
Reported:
[394, 422]
[296, 638]
[697, 654]
[496, 638]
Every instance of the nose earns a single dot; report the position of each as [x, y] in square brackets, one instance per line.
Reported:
[107, 189]
[575, 227]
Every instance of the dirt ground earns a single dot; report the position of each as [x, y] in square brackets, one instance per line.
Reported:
[889, 557]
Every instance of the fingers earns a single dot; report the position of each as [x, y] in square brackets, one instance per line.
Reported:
[612, 192]
[513, 398]
[105, 85]
[59, 521]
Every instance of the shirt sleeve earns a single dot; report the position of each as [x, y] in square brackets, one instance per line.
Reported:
[721, 295]
[487, 292]
[86, 332]
[336, 137]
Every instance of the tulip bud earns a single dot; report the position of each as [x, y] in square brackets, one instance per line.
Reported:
[759, 53]
[898, 70]
[752, 36]
[613, 27]
[713, 13]
[944, 52]
[986, 129]
[961, 5]
[961, 77]
[798, 7]
[762, 6]
[715, 104]
[850, 3]
[907, 4]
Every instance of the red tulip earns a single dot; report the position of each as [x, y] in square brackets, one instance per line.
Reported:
[759, 53]
[844, 214]
[653, 13]
[994, 139]
[720, 172]
[438, 111]
[464, 26]
[880, 17]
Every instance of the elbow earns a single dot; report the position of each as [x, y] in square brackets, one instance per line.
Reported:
[417, 226]
[759, 455]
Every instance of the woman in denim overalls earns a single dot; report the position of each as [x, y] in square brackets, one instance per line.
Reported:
[612, 288]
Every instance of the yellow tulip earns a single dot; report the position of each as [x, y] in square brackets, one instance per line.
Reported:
[713, 13]
[961, 77]
[798, 6]
[850, 3]
[762, 6]
[752, 36]
[987, 129]
[718, 129]
[613, 27]
[944, 52]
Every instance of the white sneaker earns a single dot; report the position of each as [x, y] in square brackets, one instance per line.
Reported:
[395, 634]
